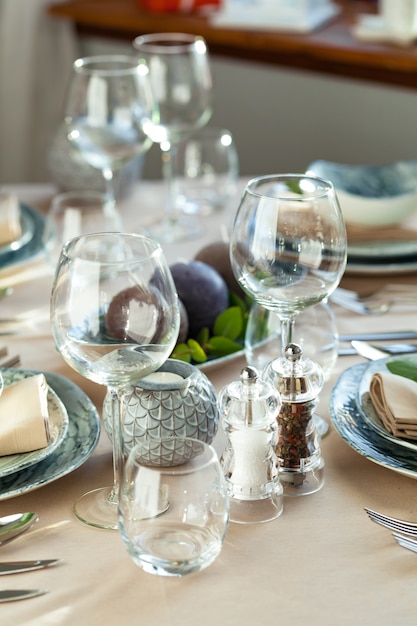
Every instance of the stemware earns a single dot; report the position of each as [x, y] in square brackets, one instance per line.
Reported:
[75, 213]
[288, 244]
[115, 319]
[182, 87]
[109, 110]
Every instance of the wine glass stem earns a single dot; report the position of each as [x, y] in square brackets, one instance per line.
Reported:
[108, 179]
[117, 412]
[287, 332]
[169, 178]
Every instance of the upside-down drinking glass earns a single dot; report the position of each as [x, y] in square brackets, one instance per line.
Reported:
[115, 319]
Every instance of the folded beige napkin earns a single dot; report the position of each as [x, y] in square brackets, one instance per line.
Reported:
[10, 228]
[24, 420]
[395, 400]
[358, 233]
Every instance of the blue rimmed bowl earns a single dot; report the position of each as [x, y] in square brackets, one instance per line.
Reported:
[372, 195]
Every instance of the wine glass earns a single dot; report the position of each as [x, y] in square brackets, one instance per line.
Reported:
[75, 213]
[288, 244]
[109, 111]
[182, 87]
[115, 319]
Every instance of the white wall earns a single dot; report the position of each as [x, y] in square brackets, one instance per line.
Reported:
[284, 119]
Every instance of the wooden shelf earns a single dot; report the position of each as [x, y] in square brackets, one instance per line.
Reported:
[331, 49]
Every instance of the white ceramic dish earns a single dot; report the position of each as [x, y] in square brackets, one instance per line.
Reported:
[58, 427]
[372, 195]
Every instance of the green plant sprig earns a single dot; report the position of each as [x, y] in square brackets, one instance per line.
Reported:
[227, 337]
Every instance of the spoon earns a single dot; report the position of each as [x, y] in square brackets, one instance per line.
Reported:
[11, 526]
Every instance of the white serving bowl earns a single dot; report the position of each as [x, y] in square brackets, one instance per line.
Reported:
[372, 195]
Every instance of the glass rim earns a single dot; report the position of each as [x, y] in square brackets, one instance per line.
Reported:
[253, 184]
[166, 42]
[124, 64]
[155, 248]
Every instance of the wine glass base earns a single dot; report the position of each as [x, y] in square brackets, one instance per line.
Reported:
[98, 508]
[170, 230]
[322, 425]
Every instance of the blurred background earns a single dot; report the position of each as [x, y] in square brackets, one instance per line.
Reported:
[281, 119]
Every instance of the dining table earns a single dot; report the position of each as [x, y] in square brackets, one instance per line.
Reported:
[322, 562]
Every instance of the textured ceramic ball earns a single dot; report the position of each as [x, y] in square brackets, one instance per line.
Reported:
[184, 407]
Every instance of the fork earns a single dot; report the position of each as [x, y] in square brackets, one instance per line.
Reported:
[397, 525]
[405, 542]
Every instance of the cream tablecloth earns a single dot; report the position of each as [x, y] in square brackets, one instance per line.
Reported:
[323, 562]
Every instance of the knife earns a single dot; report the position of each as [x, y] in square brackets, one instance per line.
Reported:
[368, 351]
[406, 334]
[8, 595]
[14, 567]
[393, 348]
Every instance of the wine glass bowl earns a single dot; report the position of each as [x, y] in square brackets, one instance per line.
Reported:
[109, 111]
[115, 319]
[288, 244]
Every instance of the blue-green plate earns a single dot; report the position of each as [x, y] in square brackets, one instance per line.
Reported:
[78, 444]
[58, 427]
[31, 242]
[349, 422]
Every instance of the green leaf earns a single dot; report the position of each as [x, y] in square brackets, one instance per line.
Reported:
[197, 352]
[229, 323]
[222, 346]
[181, 352]
[203, 336]
[407, 369]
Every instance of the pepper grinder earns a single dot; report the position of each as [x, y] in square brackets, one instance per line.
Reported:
[299, 381]
[248, 408]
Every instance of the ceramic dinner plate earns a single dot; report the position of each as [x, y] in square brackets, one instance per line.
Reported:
[386, 268]
[75, 448]
[58, 427]
[31, 243]
[366, 407]
[359, 433]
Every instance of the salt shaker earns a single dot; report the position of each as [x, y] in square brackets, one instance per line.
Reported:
[299, 381]
[248, 408]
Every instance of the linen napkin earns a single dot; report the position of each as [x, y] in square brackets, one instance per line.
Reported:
[357, 233]
[395, 400]
[10, 228]
[24, 419]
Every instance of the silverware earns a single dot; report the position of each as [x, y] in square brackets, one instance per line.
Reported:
[393, 523]
[368, 351]
[11, 526]
[405, 542]
[15, 567]
[9, 595]
[385, 336]
[393, 348]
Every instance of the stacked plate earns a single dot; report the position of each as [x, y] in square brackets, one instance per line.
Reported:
[29, 243]
[355, 419]
[75, 430]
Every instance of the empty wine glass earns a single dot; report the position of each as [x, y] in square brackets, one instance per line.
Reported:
[182, 87]
[109, 111]
[75, 213]
[115, 319]
[288, 244]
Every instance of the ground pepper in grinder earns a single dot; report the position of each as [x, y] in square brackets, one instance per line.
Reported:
[299, 381]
